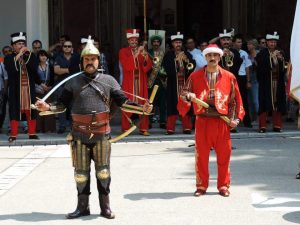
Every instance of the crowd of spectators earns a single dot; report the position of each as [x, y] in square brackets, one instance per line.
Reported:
[62, 60]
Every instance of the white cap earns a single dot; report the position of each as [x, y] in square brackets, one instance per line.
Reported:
[226, 34]
[274, 36]
[18, 37]
[177, 36]
[132, 33]
[213, 48]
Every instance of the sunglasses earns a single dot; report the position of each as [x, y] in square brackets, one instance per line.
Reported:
[67, 46]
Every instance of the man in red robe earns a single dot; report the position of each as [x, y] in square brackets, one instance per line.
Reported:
[218, 88]
[135, 62]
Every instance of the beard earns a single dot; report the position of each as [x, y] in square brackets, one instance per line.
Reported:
[226, 45]
[90, 69]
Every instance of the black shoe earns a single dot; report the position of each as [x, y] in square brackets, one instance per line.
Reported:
[82, 209]
[262, 130]
[234, 130]
[11, 139]
[187, 131]
[25, 130]
[34, 137]
[298, 176]
[162, 126]
[61, 130]
[170, 132]
[289, 120]
[277, 129]
[199, 192]
[224, 192]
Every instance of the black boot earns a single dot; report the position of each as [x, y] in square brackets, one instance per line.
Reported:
[82, 209]
[105, 208]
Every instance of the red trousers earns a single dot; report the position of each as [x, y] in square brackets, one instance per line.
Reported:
[144, 122]
[210, 133]
[186, 123]
[31, 125]
[276, 117]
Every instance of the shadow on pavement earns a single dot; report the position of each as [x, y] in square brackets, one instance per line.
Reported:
[293, 217]
[40, 216]
[285, 204]
[163, 195]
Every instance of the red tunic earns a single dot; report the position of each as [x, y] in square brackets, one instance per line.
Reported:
[198, 84]
[212, 132]
[134, 80]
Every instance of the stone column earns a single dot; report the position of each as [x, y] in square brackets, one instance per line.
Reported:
[37, 22]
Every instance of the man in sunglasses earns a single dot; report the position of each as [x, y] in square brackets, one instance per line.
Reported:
[65, 64]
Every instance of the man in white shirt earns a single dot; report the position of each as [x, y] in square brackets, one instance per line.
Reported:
[243, 77]
[195, 52]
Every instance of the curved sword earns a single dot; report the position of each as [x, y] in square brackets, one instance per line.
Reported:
[56, 87]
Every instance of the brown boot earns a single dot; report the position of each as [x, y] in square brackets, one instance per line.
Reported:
[82, 209]
[105, 208]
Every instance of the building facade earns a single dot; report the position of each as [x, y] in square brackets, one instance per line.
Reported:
[48, 19]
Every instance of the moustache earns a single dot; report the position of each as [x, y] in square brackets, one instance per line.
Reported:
[90, 65]
[212, 61]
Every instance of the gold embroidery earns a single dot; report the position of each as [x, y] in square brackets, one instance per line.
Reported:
[221, 99]
[201, 97]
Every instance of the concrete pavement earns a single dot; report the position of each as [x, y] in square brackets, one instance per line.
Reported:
[157, 134]
[153, 183]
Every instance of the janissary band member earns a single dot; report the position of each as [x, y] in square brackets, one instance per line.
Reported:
[90, 94]
[271, 76]
[232, 61]
[21, 68]
[178, 65]
[218, 90]
[135, 64]
[156, 77]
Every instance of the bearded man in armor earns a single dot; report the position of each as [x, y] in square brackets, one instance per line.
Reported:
[89, 96]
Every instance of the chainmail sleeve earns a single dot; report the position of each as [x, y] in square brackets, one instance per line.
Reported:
[62, 102]
[117, 93]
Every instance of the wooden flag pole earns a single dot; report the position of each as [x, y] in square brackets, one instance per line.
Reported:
[145, 20]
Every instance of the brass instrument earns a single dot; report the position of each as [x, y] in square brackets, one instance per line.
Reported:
[277, 56]
[156, 60]
[181, 57]
[190, 66]
[228, 58]
[156, 67]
